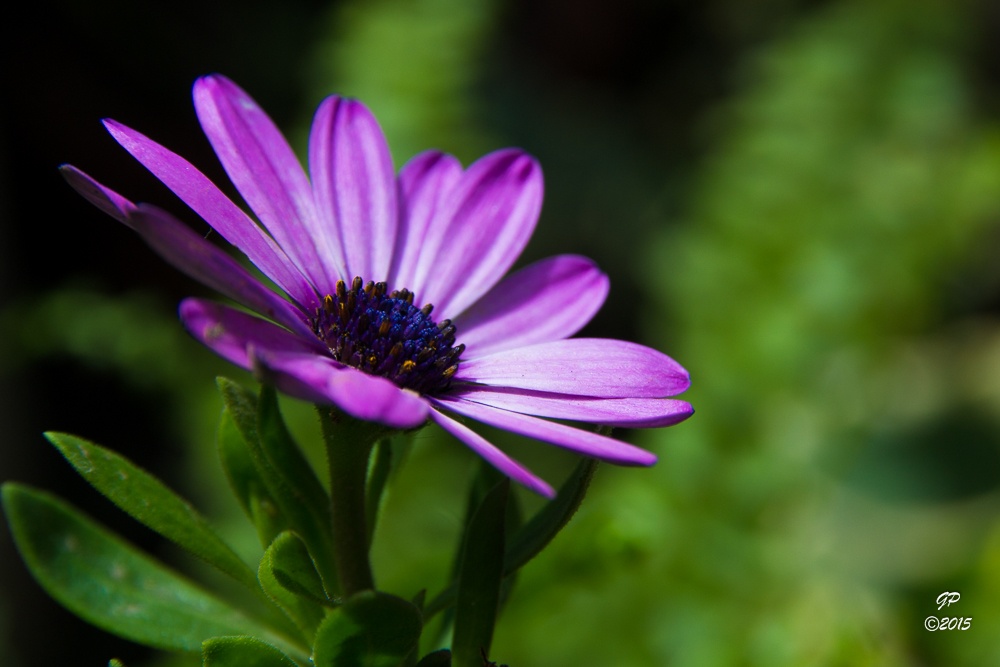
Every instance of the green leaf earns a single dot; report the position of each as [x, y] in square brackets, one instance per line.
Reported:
[284, 453]
[290, 482]
[529, 541]
[553, 517]
[115, 662]
[440, 658]
[480, 577]
[246, 483]
[150, 502]
[242, 652]
[371, 629]
[108, 582]
[294, 567]
[290, 580]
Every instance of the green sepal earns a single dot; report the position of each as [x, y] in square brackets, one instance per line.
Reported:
[290, 482]
[242, 651]
[108, 582]
[115, 662]
[479, 578]
[441, 658]
[371, 628]
[289, 579]
[151, 503]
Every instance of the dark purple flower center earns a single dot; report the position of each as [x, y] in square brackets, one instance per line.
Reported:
[385, 334]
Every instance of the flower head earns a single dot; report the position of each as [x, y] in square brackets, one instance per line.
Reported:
[397, 307]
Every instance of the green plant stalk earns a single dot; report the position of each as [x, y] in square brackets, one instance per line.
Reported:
[349, 444]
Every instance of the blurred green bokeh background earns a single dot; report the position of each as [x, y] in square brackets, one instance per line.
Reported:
[798, 200]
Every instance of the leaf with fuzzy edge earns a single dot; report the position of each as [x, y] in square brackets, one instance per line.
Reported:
[247, 485]
[242, 652]
[371, 629]
[290, 580]
[290, 482]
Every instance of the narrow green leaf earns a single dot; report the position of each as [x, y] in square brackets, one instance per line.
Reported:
[479, 579]
[289, 480]
[150, 502]
[529, 541]
[242, 652]
[553, 517]
[289, 590]
[108, 582]
[371, 629]
[284, 453]
[246, 482]
[440, 658]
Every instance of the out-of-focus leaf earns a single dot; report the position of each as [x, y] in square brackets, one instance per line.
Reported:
[371, 629]
[289, 578]
[108, 582]
[480, 577]
[440, 658]
[150, 502]
[242, 652]
[289, 480]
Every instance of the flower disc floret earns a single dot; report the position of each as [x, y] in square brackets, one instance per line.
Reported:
[384, 334]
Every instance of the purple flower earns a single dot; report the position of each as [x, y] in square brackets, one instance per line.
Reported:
[362, 253]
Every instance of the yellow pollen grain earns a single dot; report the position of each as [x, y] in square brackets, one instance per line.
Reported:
[408, 366]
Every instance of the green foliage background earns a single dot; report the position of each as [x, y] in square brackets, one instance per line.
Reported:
[804, 212]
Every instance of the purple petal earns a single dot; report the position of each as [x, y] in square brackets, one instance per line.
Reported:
[493, 212]
[599, 367]
[264, 169]
[625, 412]
[229, 332]
[354, 186]
[583, 442]
[209, 265]
[189, 252]
[198, 192]
[323, 380]
[548, 300]
[297, 367]
[492, 455]
[424, 185]
[103, 198]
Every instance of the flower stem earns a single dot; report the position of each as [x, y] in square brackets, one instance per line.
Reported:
[349, 444]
